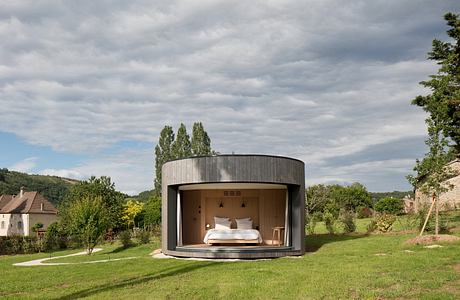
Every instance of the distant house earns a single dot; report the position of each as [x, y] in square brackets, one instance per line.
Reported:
[447, 201]
[18, 214]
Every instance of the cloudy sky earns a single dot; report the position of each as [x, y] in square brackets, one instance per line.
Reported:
[86, 86]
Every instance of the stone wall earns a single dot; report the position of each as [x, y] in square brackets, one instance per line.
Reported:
[449, 200]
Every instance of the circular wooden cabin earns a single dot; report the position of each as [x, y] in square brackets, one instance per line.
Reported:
[233, 206]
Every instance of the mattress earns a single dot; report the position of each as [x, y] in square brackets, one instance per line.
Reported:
[233, 234]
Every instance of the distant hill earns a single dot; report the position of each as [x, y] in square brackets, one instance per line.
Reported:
[143, 196]
[52, 187]
[395, 194]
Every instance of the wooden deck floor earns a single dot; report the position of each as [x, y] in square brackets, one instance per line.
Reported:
[231, 247]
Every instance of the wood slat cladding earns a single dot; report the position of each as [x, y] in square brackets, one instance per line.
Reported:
[266, 207]
[234, 168]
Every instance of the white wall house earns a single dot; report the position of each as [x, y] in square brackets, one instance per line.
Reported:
[18, 214]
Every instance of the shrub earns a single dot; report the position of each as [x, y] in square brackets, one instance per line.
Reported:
[52, 237]
[430, 226]
[155, 231]
[348, 220]
[125, 238]
[389, 205]
[364, 212]
[372, 226]
[329, 221]
[16, 242]
[409, 222]
[143, 236]
[311, 225]
[30, 245]
[312, 221]
[385, 222]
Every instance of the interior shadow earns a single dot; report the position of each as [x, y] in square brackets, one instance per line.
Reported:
[314, 242]
[172, 271]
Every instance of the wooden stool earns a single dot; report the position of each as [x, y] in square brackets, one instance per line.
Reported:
[277, 230]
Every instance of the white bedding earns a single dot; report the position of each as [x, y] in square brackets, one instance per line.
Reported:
[233, 234]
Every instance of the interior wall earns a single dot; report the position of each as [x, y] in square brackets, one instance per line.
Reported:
[272, 211]
[266, 208]
[231, 206]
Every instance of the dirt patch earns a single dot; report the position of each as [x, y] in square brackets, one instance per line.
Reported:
[156, 251]
[457, 268]
[430, 239]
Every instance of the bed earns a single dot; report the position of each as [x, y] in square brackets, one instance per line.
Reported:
[232, 236]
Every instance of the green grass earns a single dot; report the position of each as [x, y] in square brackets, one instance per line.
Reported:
[338, 266]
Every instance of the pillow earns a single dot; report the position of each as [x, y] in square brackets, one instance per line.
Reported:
[216, 219]
[244, 223]
[222, 223]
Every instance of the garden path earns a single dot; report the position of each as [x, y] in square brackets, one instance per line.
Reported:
[39, 262]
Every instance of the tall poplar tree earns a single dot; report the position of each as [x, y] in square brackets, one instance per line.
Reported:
[182, 148]
[163, 153]
[201, 143]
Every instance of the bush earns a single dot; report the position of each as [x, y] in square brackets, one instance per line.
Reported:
[18, 245]
[312, 221]
[372, 226]
[430, 226]
[385, 222]
[125, 238]
[329, 221]
[389, 205]
[348, 220]
[364, 212]
[30, 245]
[410, 221]
[52, 237]
[143, 236]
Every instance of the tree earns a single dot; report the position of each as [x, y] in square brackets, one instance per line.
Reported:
[52, 236]
[351, 197]
[443, 107]
[94, 187]
[89, 219]
[389, 205]
[317, 196]
[201, 143]
[37, 226]
[182, 148]
[152, 214]
[131, 210]
[433, 170]
[163, 153]
[358, 196]
[443, 103]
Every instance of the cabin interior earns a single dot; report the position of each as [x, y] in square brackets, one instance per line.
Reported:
[267, 206]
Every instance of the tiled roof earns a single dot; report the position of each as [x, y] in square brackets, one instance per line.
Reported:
[30, 202]
[5, 199]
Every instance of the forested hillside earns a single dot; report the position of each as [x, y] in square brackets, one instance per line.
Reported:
[395, 194]
[144, 196]
[52, 187]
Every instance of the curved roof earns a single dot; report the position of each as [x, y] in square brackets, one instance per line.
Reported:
[234, 168]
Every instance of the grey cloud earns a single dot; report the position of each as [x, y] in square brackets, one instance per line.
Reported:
[316, 80]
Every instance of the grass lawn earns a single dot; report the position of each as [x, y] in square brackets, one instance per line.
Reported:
[341, 266]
